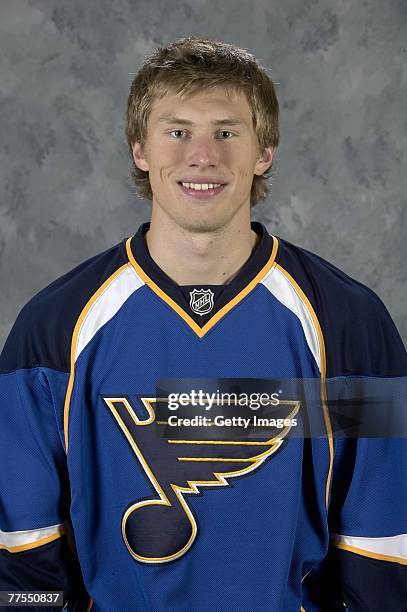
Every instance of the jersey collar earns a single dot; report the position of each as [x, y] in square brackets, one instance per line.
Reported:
[224, 297]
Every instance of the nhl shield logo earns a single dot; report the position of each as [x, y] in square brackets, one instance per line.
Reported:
[201, 301]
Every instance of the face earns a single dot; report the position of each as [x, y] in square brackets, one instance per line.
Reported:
[207, 138]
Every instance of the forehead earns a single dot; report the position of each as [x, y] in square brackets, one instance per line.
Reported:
[206, 106]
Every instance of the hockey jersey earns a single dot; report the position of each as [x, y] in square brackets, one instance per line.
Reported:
[140, 469]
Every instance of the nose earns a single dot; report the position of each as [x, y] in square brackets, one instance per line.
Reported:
[203, 152]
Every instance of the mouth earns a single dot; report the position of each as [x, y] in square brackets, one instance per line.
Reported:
[202, 194]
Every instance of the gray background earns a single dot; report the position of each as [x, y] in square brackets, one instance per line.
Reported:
[340, 179]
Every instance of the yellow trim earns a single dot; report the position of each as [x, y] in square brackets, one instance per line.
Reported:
[222, 442]
[372, 555]
[323, 375]
[31, 545]
[201, 331]
[76, 331]
[303, 609]
[90, 605]
[211, 459]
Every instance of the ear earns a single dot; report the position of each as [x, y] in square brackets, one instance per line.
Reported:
[265, 161]
[138, 156]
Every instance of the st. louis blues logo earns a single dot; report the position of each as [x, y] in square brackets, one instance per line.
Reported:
[163, 528]
[201, 301]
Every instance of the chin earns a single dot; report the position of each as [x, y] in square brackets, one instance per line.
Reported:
[208, 218]
[211, 224]
[199, 227]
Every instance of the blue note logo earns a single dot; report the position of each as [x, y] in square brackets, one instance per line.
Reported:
[201, 301]
[162, 527]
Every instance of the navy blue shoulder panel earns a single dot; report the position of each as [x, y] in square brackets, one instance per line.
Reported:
[42, 333]
[360, 336]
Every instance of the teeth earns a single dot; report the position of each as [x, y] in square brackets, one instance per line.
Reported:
[201, 186]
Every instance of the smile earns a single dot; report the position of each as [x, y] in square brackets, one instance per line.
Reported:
[202, 193]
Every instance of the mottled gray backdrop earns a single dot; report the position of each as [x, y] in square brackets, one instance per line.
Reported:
[341, 178]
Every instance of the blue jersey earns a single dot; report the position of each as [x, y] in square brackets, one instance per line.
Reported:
[114, 494]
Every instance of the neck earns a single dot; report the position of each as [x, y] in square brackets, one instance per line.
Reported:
[207, 258]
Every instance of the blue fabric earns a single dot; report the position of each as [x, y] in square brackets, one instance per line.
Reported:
[34, 485]
[270, 500]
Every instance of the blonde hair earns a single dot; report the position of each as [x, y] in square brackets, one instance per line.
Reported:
[190, 65]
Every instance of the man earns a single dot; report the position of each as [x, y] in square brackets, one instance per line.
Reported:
[114, 378]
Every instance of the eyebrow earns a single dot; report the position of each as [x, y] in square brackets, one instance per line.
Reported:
[180, 121]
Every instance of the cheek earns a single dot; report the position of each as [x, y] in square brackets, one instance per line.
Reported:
[245, 164]
[244, 174]
[165, 161]
[170, 151]
[240, 161]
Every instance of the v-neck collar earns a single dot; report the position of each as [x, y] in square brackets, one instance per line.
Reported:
[224, 297]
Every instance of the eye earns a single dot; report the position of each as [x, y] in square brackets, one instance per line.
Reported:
[225, 132]
[175, 131]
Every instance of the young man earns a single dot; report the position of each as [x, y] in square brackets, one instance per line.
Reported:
[113, 384]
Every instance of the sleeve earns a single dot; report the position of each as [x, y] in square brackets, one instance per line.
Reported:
[366, 563]
[36, 552]
[366, 568]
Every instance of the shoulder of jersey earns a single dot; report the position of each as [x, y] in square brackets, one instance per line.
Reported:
[307, 267]
[359, 333]
[42, 332]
